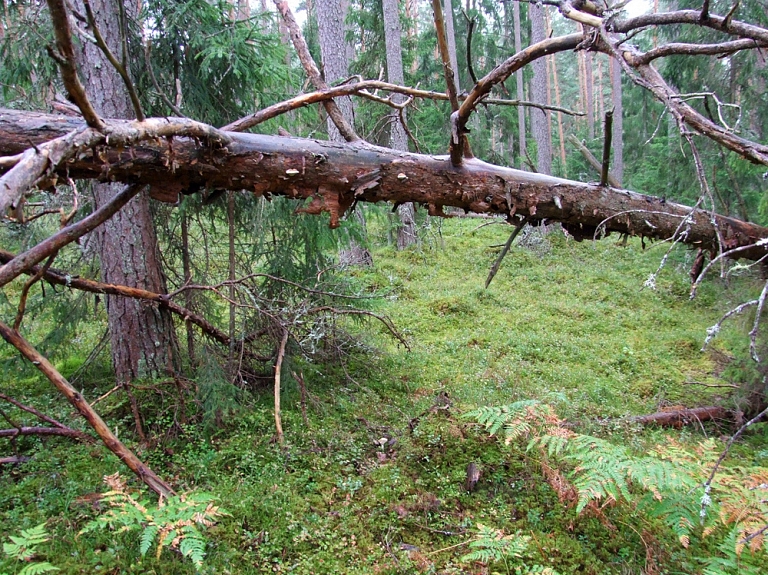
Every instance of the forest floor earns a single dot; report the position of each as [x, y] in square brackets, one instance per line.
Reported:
[375, 479]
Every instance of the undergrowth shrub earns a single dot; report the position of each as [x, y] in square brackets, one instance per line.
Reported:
[176, 522]
[672, 483]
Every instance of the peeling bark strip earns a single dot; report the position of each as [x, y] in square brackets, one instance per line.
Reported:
[332, 176]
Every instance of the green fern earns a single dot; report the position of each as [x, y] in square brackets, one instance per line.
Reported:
[666, 484]
[174, 522]
[518, 419]
[23, 548]
[493, 546]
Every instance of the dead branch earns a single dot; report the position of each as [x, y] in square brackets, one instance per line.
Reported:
[594, 162]
[65, 58]
[62, 431]
[54, 243]
[14, 460]
[120, 68]
[62, 278]
[361, 87]
[504, 70]
[734, 437]
[278, 368]
[675, 48]
[25, 290]
[495, 267]
[143, 472]
[752, 151]
[606, 148]
[442, 44]
[74, 433]
[726, 254]
[383, 319]
[725, 25]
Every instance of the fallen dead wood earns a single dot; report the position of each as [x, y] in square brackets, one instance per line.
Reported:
[681, 416]
[62, 431]
[331, 177]
[14, 459]
[149, 477]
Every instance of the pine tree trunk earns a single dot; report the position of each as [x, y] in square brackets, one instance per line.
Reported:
[142, 336]
[451, 35]
[519, 82]
[232, 275]
[398, 139]
[617, 165]
[590, 95]
[188, 302]
[560, 130]
[330, 26]
[600, 108]
[539, 118]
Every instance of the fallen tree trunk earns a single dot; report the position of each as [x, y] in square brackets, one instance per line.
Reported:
[333, 176]
[680, 417]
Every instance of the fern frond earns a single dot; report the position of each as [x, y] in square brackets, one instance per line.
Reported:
[171, 523]
[147, 538]
[193, 546]
[37, 568]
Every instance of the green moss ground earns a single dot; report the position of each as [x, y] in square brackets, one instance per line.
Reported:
[375, 482]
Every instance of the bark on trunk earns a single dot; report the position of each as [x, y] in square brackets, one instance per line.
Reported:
[590, 97]
[451, 35]
[398, 139]
[141, 337]
[333, 176]
[330, 27]
[539, 118]
[519, 83]
[617, 165]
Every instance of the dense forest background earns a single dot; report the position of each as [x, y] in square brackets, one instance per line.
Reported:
[319, 397]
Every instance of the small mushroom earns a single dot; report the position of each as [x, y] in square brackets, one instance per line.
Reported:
[402, 177]
[292, 172]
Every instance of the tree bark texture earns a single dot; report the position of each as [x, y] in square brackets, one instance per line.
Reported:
[398, 139]
[590, 94]
[519, 82]
[141, 336]
[330, 26]
[617, 164]
[330, 177]
[539, 118]
[451, 35]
